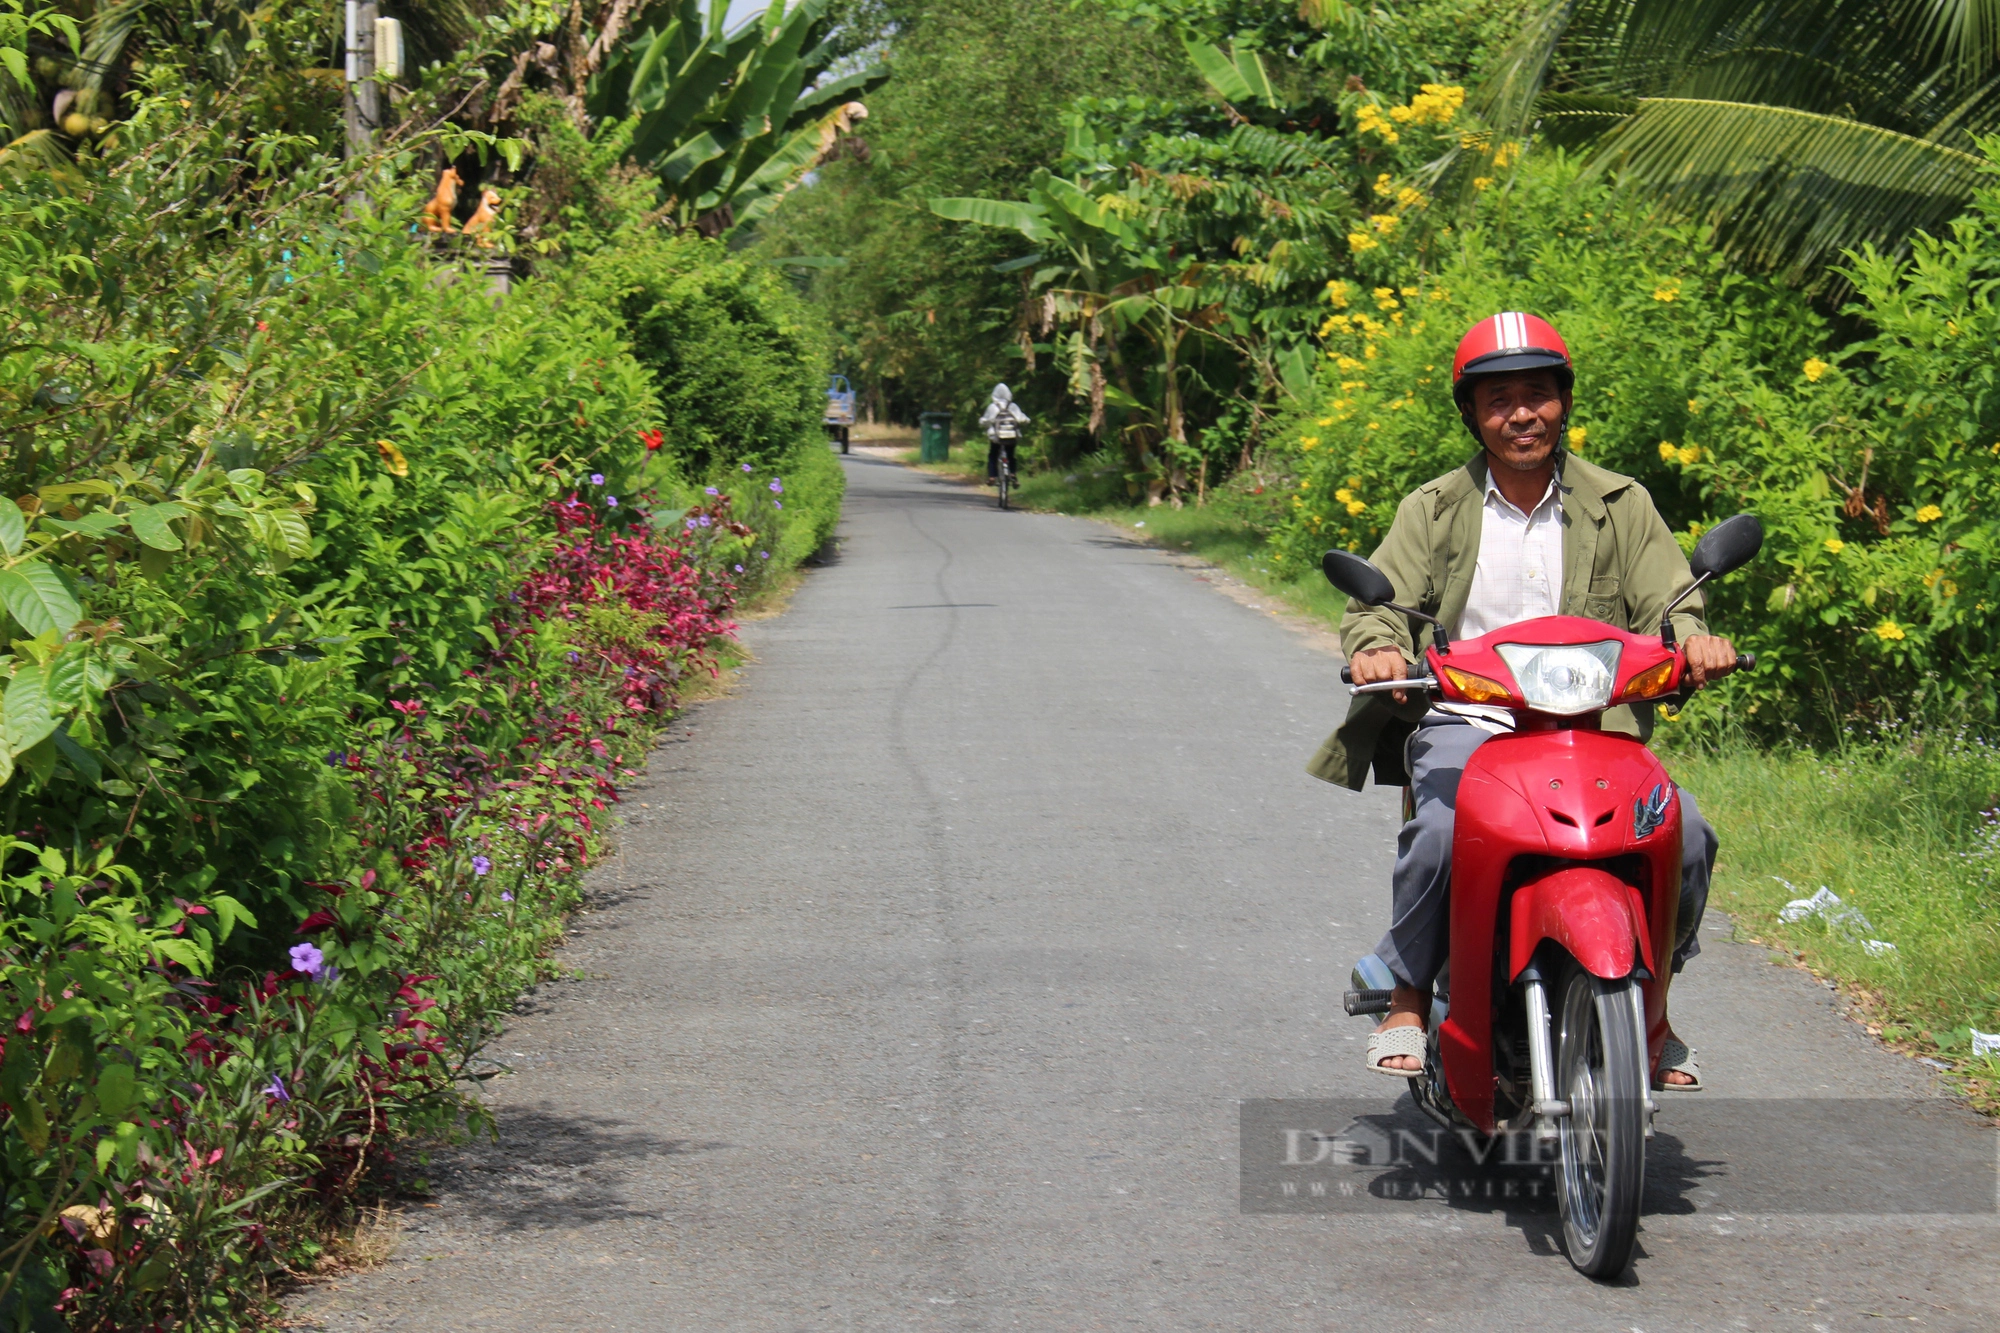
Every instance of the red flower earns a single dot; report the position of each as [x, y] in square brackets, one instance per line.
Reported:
[653, 439]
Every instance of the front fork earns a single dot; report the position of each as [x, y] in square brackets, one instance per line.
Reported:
[1548, 1108]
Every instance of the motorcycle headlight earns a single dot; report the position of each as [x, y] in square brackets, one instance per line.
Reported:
[1563, 679]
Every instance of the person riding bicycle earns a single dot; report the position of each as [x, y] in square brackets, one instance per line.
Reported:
[1524, 529]
[1002, 421]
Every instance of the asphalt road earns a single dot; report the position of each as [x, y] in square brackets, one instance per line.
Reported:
[939, 962]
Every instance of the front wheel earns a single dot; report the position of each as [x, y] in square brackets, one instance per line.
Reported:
[1601, 1072]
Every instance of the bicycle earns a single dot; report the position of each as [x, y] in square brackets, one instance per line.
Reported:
[1003, 471]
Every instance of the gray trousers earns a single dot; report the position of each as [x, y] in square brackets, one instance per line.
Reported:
[1419, 938]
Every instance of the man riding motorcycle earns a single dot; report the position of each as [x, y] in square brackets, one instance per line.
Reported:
[1524, 529]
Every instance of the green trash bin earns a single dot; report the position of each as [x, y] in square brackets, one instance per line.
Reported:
[934, 438]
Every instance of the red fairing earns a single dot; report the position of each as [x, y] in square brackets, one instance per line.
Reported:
[1538, 794]
[1638, 654]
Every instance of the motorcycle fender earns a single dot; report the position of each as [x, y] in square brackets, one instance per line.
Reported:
[1599, 919]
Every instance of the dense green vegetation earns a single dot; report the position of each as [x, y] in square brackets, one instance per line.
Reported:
[1230, 297]
[341, 591]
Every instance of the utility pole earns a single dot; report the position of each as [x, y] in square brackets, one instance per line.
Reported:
[364, 97]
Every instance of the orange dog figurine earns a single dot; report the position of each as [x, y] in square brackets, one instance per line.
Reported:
[437, 213]
[483, 218]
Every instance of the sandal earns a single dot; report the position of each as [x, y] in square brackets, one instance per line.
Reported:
[1386, 1042]
[1678, 1057]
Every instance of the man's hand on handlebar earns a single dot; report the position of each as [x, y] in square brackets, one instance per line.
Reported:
[1378, 664]
[1710, 657]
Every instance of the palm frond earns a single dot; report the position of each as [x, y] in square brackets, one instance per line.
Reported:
[1790, 190]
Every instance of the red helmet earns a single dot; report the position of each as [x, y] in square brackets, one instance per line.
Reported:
[1509, 342]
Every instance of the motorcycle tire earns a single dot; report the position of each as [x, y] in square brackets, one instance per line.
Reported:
[1601, 1072]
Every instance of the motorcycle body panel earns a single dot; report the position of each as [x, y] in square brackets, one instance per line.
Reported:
[1542, 851]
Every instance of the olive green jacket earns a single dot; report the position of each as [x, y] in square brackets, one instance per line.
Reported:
[1620, 565]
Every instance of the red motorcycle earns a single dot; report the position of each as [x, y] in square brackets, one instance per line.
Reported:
[1565, 881]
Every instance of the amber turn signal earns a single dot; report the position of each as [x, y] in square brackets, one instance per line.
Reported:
[1650, 683]
[1477, 689]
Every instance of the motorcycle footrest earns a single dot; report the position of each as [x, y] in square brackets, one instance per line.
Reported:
[1358, 1002]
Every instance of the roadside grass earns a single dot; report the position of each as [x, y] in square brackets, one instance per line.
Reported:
[1902, 827]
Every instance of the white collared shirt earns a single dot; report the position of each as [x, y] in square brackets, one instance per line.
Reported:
[1518, 577]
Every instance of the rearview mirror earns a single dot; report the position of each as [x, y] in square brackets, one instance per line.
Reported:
[1357, 578]
[1726, 547]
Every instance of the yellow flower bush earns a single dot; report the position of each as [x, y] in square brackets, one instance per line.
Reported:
[1577, 435]
[1385, 298]
[1337, 293]
[1814, 368]
[1360, 242]
[1835, 545]
[1385, 186]
[1368, 120]
[1929, 514]
[1386, 223]
[1889, 632]
[1670, 290]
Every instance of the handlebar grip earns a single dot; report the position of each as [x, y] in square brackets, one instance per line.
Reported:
[1746, 661]
[1346, 676]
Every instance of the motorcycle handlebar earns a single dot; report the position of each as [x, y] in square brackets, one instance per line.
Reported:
[1744, 662]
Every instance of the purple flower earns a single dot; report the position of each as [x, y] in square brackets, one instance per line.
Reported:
[336, 759]
[506, 897]
[710, 490]
[574, 658]
[704, 520]
[597, 478]
[275, 1090]
[777, 504]
[611, 500]
[739, 569]
[480, 865]
[690, 525]
[307, 958]
[763, 555]
[746, 467]
[777, 486]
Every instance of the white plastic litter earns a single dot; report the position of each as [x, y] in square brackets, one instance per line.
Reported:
[1837, 915]
[1985, 1043]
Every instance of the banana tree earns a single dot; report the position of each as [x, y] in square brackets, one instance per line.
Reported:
[731, 121]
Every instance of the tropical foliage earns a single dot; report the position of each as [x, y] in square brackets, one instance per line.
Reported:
[340, 593]
[1800, 128]
[730, 122]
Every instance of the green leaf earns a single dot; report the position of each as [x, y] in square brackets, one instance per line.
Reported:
[30, 717]
[13, 528]
[115, 1091]
[1028, 219]
[1238, 75]
[149, 524]
[36, 598]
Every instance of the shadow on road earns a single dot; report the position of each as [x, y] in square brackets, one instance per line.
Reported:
[551, 1170]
